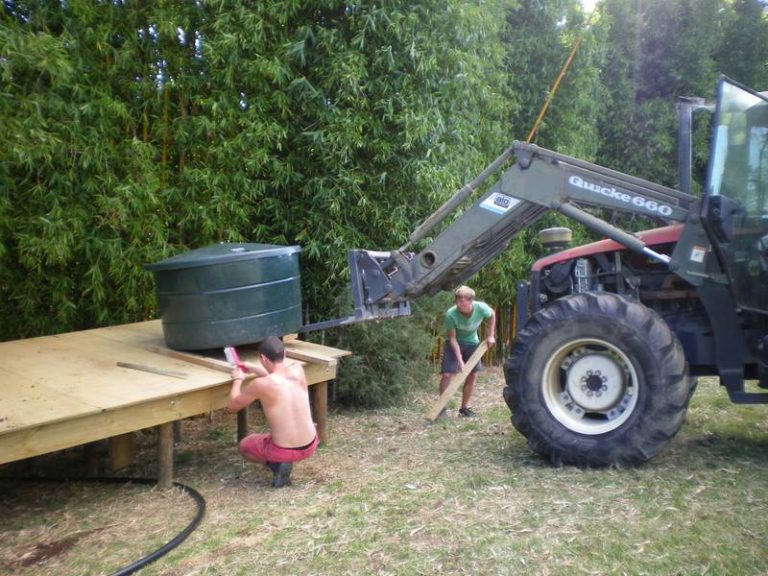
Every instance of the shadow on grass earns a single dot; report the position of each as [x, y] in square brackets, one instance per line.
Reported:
[724, 447]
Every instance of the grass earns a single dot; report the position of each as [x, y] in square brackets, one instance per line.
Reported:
[393, 494]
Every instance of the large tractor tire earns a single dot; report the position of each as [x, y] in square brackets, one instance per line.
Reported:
[597, 380]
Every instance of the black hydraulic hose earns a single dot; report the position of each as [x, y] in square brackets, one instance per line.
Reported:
[165, 548]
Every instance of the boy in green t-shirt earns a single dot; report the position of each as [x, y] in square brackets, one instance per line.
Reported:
[461, 324]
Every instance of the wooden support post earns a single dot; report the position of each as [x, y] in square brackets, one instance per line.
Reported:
[456, 381]
[320, 399]
[121, 451]
[165, 455]
[91, 459]
[242, 424]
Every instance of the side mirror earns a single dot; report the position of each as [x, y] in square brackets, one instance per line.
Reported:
[719, 212]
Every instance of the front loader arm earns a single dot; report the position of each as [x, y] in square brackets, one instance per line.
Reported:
[539, 180]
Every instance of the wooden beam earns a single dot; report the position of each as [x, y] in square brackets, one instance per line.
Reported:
[309, 356]
[153, 370]
[312, 353]
[36, 440]
[213, 363]
[456, 381]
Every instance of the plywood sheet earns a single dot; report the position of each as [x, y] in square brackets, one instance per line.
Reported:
[67, 389]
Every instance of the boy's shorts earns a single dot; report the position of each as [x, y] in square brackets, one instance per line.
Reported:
[448, 365]
[260, 448]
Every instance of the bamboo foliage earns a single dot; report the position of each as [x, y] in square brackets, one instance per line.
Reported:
[135, 131]
[663, 50]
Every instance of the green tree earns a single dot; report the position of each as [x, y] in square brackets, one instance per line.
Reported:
[134, 132]
[541, 37]
[743, 53]
[660, 50]
[541, 34]
[79, 186]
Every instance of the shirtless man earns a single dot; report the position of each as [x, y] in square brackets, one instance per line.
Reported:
[282, 391]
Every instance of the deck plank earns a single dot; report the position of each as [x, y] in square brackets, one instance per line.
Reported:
[65, 390]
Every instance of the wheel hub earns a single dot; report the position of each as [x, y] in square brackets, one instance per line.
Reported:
[594, 380]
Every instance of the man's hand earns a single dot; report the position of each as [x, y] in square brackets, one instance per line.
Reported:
[237, 373]
[491, 340]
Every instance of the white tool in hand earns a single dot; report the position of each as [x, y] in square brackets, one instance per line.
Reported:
[233, 358]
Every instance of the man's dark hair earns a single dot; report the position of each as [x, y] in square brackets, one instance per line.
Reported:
[273, 349]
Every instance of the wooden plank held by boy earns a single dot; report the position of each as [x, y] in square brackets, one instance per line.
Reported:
[456, 381]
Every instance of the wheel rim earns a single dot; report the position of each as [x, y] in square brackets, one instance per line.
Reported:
[590, 386]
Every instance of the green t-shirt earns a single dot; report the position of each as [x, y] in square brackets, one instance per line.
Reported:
[466, 327]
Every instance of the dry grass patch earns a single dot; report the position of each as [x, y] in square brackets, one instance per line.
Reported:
[391, 493]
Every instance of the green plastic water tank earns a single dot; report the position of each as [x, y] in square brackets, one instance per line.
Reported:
[228, 294]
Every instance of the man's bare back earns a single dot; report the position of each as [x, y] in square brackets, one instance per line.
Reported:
[282, 391]
[285, 401]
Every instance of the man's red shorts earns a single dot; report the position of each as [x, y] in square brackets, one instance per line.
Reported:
[260, 448]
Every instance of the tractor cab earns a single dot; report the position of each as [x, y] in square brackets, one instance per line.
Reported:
[734, 210]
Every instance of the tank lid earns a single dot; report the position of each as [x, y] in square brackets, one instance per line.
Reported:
[221, 253]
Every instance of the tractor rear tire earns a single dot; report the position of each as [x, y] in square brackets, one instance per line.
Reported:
[596, 379]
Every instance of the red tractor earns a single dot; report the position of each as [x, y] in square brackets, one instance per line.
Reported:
[613, 334]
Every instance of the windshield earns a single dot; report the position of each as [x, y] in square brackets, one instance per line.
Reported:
[739, 164]
[738, 175]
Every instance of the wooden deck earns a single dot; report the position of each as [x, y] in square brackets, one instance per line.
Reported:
[66, 390]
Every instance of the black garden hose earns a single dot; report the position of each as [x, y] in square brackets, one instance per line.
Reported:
[165, 548]
[176, 540]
